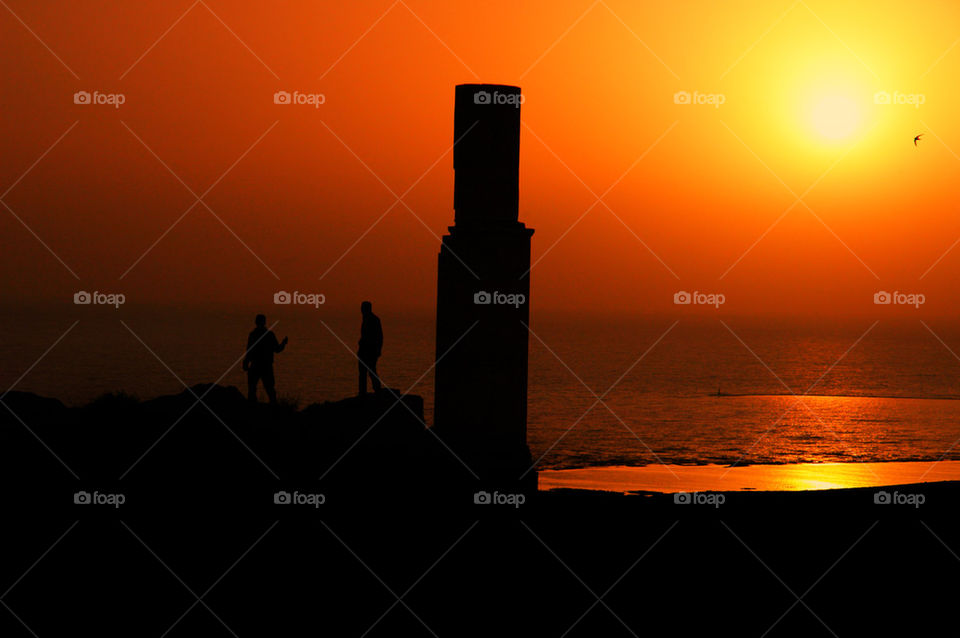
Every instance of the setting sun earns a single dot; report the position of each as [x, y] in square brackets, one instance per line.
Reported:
[836, 117]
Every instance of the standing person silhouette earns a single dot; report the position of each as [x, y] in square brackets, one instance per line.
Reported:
[258, 362]
[371, 343]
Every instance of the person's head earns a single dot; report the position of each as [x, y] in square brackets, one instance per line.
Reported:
[261, 320]
[366, 308]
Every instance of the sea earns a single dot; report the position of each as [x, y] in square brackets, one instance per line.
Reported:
[603, 390]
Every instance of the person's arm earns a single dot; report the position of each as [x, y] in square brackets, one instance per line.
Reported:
[246, 355]
[278, 347]
[379, 338]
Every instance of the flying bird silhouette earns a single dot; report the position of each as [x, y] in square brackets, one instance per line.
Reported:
[917, 139]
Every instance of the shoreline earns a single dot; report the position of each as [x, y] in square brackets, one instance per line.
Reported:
[799, 477]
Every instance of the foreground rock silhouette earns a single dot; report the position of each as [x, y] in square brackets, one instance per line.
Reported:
[172, 449]
[399, 519]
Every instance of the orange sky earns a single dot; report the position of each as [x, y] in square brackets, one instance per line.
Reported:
[797, 80]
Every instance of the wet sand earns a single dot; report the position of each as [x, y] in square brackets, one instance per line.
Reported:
[722, 478]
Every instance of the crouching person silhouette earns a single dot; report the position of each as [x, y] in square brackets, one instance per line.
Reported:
[258, 362]
[371, 343]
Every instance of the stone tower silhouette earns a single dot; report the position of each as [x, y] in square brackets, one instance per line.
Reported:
[483, 291]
